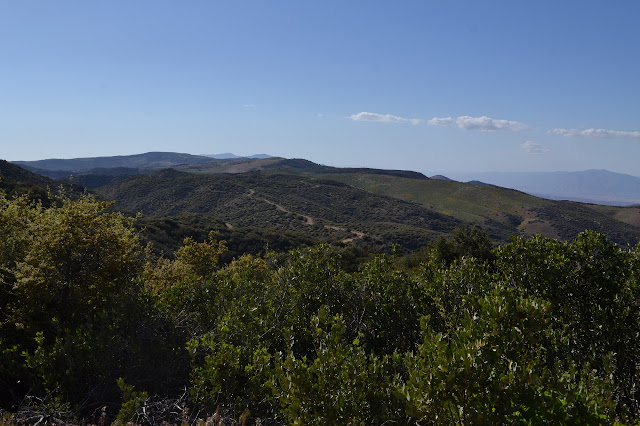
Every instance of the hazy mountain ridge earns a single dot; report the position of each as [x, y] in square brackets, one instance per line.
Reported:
[113, 169]
[149, 159]
[592, 186]
[97, 165]
[94, 172]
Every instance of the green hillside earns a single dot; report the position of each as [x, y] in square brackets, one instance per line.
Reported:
[500, 211]
[15, 180]
[495, 208]
[287, 165]
[320, 208]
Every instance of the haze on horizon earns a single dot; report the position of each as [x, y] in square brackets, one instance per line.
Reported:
[418, 85]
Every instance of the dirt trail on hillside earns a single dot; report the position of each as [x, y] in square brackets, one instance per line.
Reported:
[358, 234]
[308, 219]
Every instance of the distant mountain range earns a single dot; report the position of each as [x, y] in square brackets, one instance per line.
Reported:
[136, 161]
[324, 203]
[149, 159]
[590, 186]
[96, 171]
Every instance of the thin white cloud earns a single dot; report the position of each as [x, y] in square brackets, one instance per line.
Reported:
[488, 124]
[444, 121]
[382, 118]
[596, 133]
[484, 123]
[534, 148]
[249, 106]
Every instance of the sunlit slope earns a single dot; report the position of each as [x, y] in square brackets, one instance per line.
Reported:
[500, 210]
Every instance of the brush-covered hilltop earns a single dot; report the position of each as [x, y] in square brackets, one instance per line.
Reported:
[331, 203]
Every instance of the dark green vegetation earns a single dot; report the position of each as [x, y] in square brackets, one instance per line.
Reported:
[93, 325]
[322, 209]
[168, 233]
[15, 180]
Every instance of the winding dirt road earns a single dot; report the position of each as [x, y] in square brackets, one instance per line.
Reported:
[310, 220]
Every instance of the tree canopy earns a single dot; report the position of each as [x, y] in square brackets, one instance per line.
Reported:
[94, 326]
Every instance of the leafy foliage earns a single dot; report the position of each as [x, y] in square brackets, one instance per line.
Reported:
[496, 366]
[335, 384]
[534, 331]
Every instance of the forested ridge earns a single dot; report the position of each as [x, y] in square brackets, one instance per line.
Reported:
[95, 327]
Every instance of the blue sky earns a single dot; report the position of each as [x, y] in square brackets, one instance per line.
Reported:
[432, 86]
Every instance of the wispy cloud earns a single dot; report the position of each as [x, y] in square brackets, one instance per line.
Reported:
[444, 121]
[249, 106]
[533, 148]
[383, 118]
[484, 123]
[596, 133]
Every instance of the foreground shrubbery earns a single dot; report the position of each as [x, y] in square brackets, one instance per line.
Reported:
[93, 326]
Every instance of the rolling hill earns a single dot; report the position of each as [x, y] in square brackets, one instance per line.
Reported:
[342, 204]
[499, 209]
[502, 212]
[325, 209]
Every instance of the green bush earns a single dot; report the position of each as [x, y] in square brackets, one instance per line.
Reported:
[497, 366]
[340, 384]
[536, 331]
